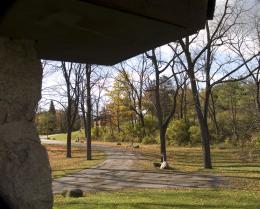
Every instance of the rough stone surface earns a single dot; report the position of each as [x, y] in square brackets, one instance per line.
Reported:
[25, 170]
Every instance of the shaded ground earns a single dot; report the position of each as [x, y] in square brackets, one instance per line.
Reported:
[119, 171]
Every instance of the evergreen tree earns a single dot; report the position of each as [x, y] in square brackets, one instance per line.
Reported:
[52, 117]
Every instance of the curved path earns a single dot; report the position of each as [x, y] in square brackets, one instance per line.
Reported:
[118, 171]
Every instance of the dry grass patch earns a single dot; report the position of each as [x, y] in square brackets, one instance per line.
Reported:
[62, 166]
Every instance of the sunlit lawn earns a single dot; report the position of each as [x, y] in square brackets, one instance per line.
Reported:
[242, 172]
[162, 199]
[63, 136]
[62, 166]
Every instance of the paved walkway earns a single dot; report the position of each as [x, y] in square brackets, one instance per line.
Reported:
[118, 171]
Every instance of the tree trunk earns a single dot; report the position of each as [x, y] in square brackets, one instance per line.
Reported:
[182, 104]
[185, 103]
[142, 125]
[205, 137]
[163, 144]
[82, 104]
[118, 120]
[68, 154]
[214, 116]
[258, 96]
[159, 111]
[89, 108]
[25, 170]
[205, 143]
[69, 128]
[97, 130]
[97, 125]
[84, 121]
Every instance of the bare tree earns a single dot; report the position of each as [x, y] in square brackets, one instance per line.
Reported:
[89, 111]
[160, 67]
[72, 74]
[202, 61]
[86, 107]
[92, 78]
[245, 42]
[65, 93]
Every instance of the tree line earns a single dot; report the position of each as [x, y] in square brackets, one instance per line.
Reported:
[202, 89]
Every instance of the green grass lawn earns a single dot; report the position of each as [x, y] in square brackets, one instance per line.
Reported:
[242, 173]
[63, 136]
[162, 199]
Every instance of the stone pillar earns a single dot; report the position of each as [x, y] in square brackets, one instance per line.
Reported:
[25, 175]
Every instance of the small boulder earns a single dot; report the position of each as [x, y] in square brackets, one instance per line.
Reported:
[75, 193]
[136, 146]
[164, 165]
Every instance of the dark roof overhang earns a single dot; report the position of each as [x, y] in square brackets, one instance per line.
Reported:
[101, 31]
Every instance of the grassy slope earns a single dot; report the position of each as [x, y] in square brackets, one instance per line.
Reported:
[162, 199]
[62, 166]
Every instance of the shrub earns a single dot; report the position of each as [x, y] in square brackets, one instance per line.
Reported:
[157, 138]
[137, 130]
[256, 140]
[98, 132]
[150, 123]
[228, 142]
[195, 136]
[149, 140]
[108, 137]
[225, 124]
[178, 132]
